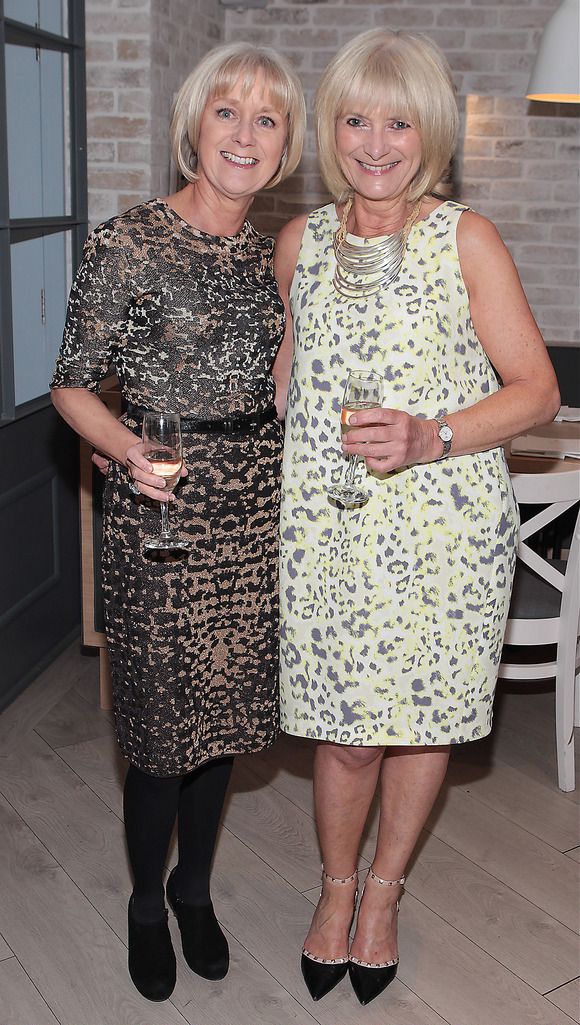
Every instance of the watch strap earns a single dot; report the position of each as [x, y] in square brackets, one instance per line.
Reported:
[445, 435]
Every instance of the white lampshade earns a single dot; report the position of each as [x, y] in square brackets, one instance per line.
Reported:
[556, 73]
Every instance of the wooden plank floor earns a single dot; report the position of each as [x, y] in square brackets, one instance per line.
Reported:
[489, 920]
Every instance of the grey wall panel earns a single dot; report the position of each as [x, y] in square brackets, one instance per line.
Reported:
[28, 519]
[39, 546]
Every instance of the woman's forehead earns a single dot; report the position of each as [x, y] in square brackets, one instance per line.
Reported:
[375, 97]
[382, 108]
[250, 82]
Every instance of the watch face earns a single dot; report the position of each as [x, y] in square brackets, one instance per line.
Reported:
[445, 432]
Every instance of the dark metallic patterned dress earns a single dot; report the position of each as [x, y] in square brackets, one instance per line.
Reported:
[190, 323]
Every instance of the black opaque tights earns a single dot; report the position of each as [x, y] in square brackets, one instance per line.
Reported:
[151, 804]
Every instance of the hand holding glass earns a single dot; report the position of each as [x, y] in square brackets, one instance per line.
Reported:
[364, 390]
[162, 447]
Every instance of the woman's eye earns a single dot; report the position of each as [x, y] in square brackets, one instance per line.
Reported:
[266, 121]
[399, 125]
[354, 122]
[225, 113]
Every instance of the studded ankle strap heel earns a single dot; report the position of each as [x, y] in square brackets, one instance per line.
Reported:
[369, 979]
[322, 974]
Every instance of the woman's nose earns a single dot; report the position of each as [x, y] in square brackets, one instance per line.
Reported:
[376, 145]
[244, 132]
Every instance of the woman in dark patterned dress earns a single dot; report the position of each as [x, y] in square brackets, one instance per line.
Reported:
[178, 297]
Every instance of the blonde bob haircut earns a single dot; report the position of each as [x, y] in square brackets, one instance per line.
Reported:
[215, 76]
[403, 72]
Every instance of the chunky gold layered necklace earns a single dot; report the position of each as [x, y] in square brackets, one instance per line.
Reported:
[363, 270]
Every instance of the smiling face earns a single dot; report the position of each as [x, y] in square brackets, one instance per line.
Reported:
[241, 140]
[379, 153]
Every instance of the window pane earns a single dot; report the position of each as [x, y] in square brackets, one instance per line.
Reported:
[25, 11]
[41, 279]
[28, 330]
[38, 117]
[50, 15]
[23, 122]
[57, 284]
[53, 16]
[55, 134]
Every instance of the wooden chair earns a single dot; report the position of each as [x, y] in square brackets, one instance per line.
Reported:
[545, 606]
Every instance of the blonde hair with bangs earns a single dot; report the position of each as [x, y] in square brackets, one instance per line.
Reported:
[409, 74]
[213, 77]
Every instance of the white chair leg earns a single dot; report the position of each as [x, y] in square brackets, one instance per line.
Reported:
[566, 770]
[577, 701]
[565, 688]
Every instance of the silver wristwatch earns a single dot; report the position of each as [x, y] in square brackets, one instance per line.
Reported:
[446, 435]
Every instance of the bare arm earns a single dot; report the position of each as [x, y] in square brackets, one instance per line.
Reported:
[285, 259]
[506, 328]
[89, 417]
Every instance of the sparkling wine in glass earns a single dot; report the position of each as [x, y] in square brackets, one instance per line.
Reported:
[162, 447]
[364, 390]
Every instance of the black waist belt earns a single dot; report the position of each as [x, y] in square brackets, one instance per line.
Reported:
[244, 423]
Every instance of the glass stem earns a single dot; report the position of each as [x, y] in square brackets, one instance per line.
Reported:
[165, 531]
[351, 470]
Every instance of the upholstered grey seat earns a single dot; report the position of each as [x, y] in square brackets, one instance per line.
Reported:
[532, 596]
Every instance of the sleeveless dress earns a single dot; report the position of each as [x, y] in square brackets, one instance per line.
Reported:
[393, 613]
[190, 323]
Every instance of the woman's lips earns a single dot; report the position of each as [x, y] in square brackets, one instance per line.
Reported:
[237, 161]
[377, 169]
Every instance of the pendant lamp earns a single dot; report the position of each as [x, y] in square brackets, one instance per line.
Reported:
[556, 73]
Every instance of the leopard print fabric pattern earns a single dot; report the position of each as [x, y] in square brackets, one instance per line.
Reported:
[190, 323]
[393, 613]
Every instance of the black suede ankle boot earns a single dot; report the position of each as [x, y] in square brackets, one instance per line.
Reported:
[205, 947]
[151, 957]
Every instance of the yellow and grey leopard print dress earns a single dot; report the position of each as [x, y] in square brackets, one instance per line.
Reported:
[187, 319]
[393, 613]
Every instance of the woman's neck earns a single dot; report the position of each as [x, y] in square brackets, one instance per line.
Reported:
[203, 208]
[369, 219]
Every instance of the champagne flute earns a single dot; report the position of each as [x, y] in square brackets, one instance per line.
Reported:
[364, 390]
[162, 447]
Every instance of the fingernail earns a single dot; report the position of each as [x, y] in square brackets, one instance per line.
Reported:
[352, 420]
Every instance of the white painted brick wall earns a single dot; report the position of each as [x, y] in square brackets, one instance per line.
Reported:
[118, 34]
[518, 161]
[138, 54]
[183, 31]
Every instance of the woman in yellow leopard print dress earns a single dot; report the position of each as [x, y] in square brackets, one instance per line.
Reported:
[393, 612]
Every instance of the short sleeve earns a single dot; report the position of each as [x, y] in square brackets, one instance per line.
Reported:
[96, 314]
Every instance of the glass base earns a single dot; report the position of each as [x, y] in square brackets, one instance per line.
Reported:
[167, 543]
[348, 494]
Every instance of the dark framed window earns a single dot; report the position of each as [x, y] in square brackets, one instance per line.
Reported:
[43, 193]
